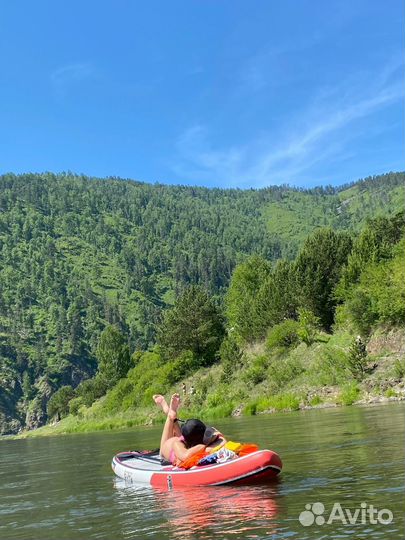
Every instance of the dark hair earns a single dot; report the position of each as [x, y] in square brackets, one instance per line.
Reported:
[193, 432]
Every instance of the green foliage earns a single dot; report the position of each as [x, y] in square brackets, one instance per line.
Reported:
[91, 389]
[283, 335]
[245, 318]
[231, 356]
[349, 394]
[148, 377]
[279, 402]
[220, 411]
[58, 404]
[357, 358]
[374, 244]
[315, 400]
[277, 295]
[379, 295]
[284, 370]
[179, 368]
[318, 268]
[308, 326]
[193, 324]
[113, 355]
[399, 369]
[75, 404]
[80, 254]
[255, 374]
[250, 409]
[329, 367]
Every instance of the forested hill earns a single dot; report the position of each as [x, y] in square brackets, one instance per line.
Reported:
[77, 253]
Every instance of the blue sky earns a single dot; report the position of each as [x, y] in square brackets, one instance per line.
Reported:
[230, 94]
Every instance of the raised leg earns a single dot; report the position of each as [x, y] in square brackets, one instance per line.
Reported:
[161, 402]
[171, 427]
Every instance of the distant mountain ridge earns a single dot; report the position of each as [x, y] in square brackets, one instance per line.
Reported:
[78, 252]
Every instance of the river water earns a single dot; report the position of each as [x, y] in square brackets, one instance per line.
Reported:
[63, 487]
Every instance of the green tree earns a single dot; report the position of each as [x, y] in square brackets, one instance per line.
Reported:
[91, 389]
[318, 268]
[277, 296]
[114, 359]
[375, 243]
[231, 357]
[58, 404]
[246, 312]
[192, 324]
[379, 294]
[357, 358]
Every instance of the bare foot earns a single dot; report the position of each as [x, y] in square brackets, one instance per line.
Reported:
[174, 405]
[160, 400]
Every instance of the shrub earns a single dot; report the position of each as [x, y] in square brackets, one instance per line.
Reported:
[360, 309]
[284, 335]
[250, 409]
[315, 400]
[379, 294]
[330, 367]
[254, 375]
[308, 326]
[220, 411]
[284, 370]
[58, 404]
[75, 404]
[349, 394]
[279, 402]
[213, 400]
[92, 389]
[231, 356]
[399, 368]
[120, 397]
[357, 358]
[182, 366]
[203, 387]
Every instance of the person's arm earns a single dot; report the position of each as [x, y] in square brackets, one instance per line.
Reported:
[182, 453]
[219, 442]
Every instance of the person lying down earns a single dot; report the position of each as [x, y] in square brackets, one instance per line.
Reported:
[180, 443]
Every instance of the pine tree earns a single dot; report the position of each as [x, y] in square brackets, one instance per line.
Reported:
[193, 324]
[318, 269]
[114, 359]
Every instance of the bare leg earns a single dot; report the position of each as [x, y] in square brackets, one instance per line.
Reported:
[170, 426]
[176, 429]
[161, 402]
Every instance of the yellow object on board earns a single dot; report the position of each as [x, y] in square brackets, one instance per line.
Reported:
[234, 446]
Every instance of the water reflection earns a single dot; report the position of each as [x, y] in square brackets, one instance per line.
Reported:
[248, 511]
[63, 487]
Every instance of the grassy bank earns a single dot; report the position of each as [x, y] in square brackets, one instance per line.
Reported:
[263, 380]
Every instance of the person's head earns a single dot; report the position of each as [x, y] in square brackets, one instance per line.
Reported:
[193, 432]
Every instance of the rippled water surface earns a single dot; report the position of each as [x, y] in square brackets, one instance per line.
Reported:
[64, 488]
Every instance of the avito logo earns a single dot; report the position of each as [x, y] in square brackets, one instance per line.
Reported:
[366, 513]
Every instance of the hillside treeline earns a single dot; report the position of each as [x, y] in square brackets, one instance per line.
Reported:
[79, 255]
[335, 281]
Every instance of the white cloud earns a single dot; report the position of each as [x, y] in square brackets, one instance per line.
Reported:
[325, 129]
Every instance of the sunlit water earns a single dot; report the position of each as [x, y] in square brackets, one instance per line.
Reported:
[64, 487]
